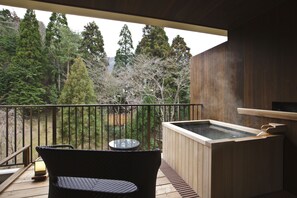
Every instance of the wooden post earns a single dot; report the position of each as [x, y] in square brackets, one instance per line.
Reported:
[54, 124]
[26, 156]
[149, 126]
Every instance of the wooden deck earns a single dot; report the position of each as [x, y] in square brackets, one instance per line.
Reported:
[25, 187]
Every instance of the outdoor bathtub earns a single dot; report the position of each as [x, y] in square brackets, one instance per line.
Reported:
[222, 159]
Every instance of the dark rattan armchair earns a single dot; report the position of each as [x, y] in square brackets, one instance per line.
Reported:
[88, 173]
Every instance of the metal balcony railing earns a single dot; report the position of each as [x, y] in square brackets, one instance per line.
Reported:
[86, 126]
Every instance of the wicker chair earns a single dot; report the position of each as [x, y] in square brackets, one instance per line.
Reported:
[109, 174]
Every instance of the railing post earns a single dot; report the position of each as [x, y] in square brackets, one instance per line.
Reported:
[54, 124]
[7, 134]
[149, 126]
[26, 156]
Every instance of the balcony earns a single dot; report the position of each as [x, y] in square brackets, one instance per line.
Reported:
[86, 127]
[168, 185]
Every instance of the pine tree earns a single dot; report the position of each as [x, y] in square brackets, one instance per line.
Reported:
[25, 74]
[9, 23]
[78, 88]
[124, 53]
[179, 51]
[61, 49]
[154, 42]
[53, 33]
[92, 45]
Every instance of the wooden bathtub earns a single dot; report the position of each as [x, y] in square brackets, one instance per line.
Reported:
[229, 167]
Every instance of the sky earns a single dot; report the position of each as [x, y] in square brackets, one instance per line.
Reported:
[110, 30]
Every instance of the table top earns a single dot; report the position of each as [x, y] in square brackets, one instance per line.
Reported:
[124, 144]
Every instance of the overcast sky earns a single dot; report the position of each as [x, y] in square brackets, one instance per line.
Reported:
[110, 30]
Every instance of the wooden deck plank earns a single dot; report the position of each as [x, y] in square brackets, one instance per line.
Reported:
[162, 181]
[25, 192]
[169, 195]
[24, 186]
[165, 189]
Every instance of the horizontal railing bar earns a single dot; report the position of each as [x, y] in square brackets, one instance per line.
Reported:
[13, 155]
[94, 105]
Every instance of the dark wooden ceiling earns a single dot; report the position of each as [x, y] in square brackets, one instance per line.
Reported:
[222, 14]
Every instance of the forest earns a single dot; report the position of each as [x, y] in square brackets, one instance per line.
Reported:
[54, 65]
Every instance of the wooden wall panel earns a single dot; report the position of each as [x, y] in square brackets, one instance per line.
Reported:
[216, 82]
[260, 56]
[270, 50]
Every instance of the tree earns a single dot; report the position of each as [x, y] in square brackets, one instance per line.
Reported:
[26, 71]
[92, 50]
[53, 33]
[154, 42]
[111, 90]
[104, 82]
[92, 44]
[124, 54]
[179, 51]
[9, 23]
[78, 88]
[8, 41]
[54, 36]
[67, 50]
[154, 80]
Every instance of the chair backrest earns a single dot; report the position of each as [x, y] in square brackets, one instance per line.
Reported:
[139, 167]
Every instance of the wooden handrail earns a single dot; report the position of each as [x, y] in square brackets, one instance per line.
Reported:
[26, 161]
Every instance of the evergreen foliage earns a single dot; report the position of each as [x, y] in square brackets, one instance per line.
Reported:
[179, 51]
[92, 50]
[154, 42]
[61, 48]
[92, 44]
[23, 81]
[8, 37]
[9, 23]
[78, 88]
[26, 71]
[53, 33]
[124, 54]
[66, 50]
